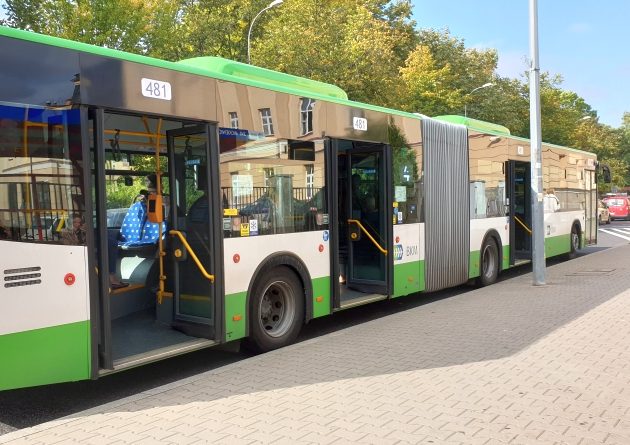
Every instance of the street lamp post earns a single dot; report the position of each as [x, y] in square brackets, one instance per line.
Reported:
[485, 85]
[536, 179]
[274, 3]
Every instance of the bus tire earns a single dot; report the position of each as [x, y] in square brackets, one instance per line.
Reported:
[488, 262]
[574, 241]
[276, 310]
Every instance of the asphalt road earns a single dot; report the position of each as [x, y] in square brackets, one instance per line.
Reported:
[615, 233]
[27, 407]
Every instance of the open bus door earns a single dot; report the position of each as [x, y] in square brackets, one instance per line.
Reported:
[362, 199]
[194, 247]
[169, 301]
[519, 210]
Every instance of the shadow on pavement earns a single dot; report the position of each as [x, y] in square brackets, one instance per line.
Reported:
[437, 330]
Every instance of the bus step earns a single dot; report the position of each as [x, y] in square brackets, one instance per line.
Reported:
[360, 300]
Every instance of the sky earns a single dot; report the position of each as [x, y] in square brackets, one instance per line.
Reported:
[587, 42]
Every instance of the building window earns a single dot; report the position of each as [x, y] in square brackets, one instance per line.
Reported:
[306, 115]
[310, 180]
[233, 119]
[267, 123]
[41, 181]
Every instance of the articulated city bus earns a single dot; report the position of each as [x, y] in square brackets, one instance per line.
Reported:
[151, 208]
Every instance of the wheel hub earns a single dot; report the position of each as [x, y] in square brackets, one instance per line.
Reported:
[277, 309]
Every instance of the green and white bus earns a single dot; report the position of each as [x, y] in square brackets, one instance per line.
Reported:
[269, 200]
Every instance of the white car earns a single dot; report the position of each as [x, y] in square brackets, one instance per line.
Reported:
[603, 215]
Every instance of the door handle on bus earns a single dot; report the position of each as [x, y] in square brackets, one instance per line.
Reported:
[364, 230]
[202, 269]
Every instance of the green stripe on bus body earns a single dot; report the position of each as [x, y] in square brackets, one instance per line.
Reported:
[235, 316]
[473, 264]
[506, 257]
[408, 278]
[44, 356]
[321, 296]
[557, 245]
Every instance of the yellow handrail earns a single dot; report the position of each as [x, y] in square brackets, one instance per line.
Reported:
[192, 255]
[358, 223]
[523, 224]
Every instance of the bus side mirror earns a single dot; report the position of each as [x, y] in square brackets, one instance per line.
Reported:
[606, 174]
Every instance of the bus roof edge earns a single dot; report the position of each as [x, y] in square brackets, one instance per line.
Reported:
[475, 124]
[250, 72]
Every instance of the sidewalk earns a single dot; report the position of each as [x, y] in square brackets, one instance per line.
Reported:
[510, 363]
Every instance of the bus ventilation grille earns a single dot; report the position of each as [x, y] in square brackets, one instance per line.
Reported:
[25, 276]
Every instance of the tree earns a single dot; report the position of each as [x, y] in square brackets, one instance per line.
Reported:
[428, 88]
[128, 25]
[561, 110]
[505, 104]
[624, 144]
[215, 28]
[346, 43]
[440, 73]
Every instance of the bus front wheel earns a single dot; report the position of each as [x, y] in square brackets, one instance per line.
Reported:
[276, 310]
[489, 262]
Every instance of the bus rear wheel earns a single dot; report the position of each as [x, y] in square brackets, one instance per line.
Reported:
[489, 262]
[575, 241]
[276, 310]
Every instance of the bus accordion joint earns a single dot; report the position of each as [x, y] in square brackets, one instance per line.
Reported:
[363, 229]
[202, 269]
[527, 229]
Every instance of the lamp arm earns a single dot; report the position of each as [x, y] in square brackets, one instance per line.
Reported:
[249, 32]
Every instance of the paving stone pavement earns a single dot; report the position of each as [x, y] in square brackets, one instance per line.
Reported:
[510, 363]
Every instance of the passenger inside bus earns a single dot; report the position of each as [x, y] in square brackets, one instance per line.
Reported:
[4, 232]
[76, 235]
[136, 229]
[150, 181]
[137, 235]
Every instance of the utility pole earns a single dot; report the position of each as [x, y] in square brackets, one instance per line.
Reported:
[538, 217]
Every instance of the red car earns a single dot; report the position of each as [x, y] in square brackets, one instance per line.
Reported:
[618, 206]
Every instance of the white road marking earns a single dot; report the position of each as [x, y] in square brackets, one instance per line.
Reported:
[610, 232]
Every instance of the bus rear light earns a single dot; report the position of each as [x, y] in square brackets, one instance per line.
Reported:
[69, 279]
[236, 258]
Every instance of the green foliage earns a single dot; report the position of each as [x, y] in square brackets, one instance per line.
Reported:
[370, 48]
[440, 73]
[120, 196]
[359, 47]
[619, 171]
[128, 25]
[624, 144]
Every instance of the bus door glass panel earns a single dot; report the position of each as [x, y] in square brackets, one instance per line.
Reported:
[190, 209]
[519, 187]
[368, 235]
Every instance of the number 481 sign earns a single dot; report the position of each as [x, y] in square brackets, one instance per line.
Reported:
[156, 89]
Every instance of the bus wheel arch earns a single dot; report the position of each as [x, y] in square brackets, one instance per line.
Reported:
[281, 289]
[490, 256]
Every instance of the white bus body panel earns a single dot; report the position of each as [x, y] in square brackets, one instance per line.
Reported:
[51, 303]
[251, 251]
